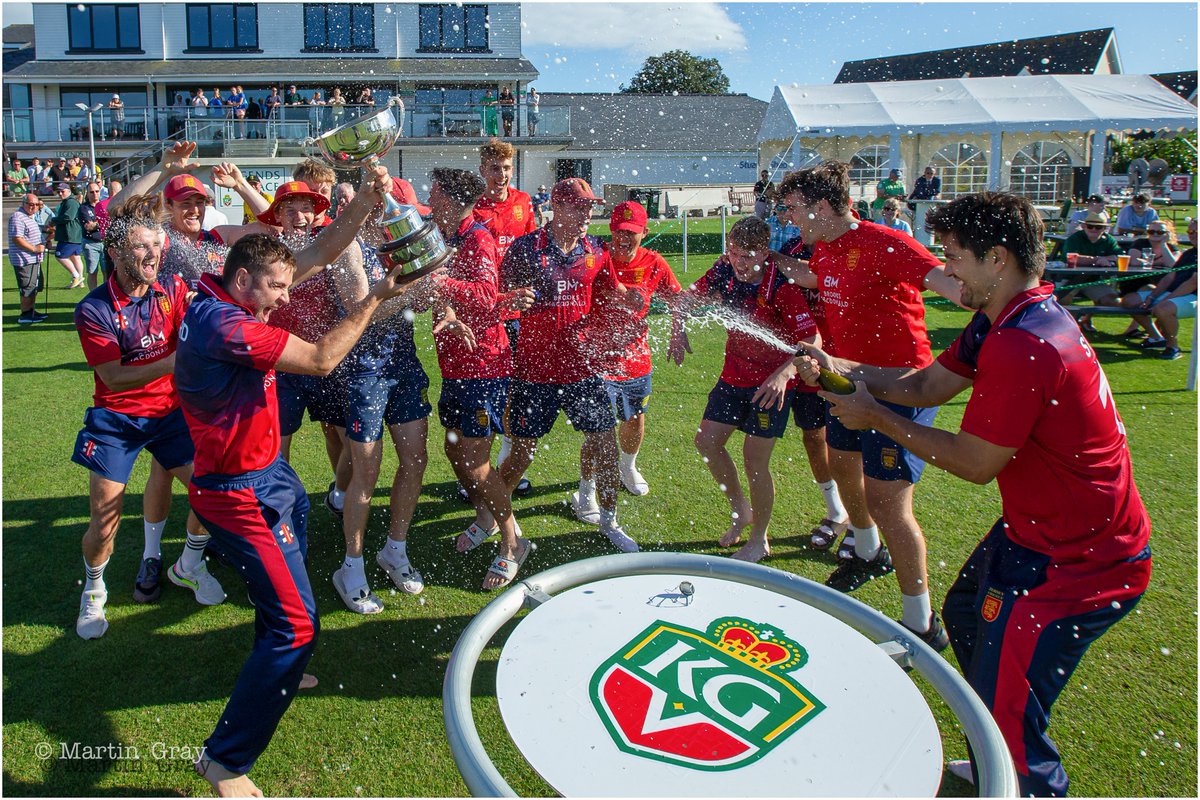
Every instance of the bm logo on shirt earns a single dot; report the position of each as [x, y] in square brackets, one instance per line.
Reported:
[715, 700]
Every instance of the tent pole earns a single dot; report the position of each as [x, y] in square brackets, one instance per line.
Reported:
[1099, 148]
[996, 161]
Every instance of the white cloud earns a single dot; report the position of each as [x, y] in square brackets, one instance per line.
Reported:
[640, 29]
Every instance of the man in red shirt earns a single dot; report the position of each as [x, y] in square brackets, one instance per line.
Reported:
[1070, 555]
[129, 329]
[618, 336]
[870, 280]
[754, 392]
[507, 213]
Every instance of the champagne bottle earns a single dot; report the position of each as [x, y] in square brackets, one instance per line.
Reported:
[832, 382]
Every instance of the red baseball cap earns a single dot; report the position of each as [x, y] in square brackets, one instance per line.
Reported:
[628, 216]
[405, 194]
[289, 190]
[575, 191]
[183, 186]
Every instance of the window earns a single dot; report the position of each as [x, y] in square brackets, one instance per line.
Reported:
[453, 28]
[339, 27]
[222, 26]
[869, 166]
[963, 169]
[104, 28]
[1041, 172]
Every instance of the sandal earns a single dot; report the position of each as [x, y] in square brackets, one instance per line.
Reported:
[477, 535]
[364, 603]
[507, 568]
[845, 550]
[827, 533]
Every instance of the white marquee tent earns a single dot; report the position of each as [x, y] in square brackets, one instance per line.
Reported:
[1026, 104]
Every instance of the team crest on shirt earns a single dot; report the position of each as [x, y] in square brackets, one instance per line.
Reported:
[589, 261]
[991, 605]
[285, 533]
[889, 457]
[164, 303]
[481, 417]
[518, 213]
[852, 256]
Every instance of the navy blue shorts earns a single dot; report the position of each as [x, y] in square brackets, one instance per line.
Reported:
[110, 442]
[882, 458]
[474, 406]
[809, 410]
[629, 398]
[533, 407]
[730, 405]
[376, 400]
[66, 250]
[298, 393]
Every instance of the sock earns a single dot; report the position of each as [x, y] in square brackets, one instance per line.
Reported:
[396, 551]
[866, 542]
[505, 449]
[95, 577]
[154, 532]
[587, 488]
[833, 501]
[193, 552]
[627, 460]
[337, 498]
[608, 518]
[917, 611]
[354, 573]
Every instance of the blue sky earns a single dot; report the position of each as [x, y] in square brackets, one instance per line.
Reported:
[597, 46]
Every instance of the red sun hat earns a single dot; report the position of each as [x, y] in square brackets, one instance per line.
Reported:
[628, 216]
[406, 195]
[575, 191]
[184, 186]
[290, 190]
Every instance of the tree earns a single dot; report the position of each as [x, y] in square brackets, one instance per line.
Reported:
[1177, 152]
[678, 71]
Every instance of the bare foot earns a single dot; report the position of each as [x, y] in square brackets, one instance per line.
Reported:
[224, 782]
[753, 551]
[734, 534]
[308, 681]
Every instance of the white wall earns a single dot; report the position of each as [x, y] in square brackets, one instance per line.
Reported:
[52, 35]
[651, 168]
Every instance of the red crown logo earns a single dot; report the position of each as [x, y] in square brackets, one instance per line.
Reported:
[758, 645]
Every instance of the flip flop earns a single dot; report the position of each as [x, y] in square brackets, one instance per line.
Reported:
[363, 604]
[507, 568]
[477, 535]
[827, 533]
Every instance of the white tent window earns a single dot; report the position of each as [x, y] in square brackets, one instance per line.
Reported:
[962, 168]
[870, 165]
[1042, 172]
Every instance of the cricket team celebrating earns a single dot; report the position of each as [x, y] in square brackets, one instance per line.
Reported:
[209, 346]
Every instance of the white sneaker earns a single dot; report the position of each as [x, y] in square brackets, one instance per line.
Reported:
[362, 602]
[633, 480]
[616, 534]
[403, 574]
[92, 623]
[961, 769]
[587, 509]
[207, 589]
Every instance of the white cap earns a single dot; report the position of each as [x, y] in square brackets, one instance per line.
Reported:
[116, 97]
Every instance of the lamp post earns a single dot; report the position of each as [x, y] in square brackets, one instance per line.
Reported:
[91, 131]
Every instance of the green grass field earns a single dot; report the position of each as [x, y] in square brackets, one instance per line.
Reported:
[1126, 724]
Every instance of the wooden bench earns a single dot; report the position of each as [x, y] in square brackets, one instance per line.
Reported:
[1101, 311]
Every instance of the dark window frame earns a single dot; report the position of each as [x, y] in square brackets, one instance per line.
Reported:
[310, 47]
[424, 46]
[117, 8]
[209, 48]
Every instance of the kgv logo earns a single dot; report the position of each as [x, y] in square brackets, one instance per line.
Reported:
[712, 700]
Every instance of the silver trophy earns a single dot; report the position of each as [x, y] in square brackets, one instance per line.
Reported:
[415, 247]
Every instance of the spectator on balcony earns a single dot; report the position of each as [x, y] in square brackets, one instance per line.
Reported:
[238, 105]
[315, 106]
[16, 180]
[199, 104]
[532, 114]
[116, 110]
[337, 106]
[508, 110]
[216, 103]
[272, 103]
[365, 98]
[488, 114]
[254, 112]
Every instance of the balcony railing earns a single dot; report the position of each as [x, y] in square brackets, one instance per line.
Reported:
[146, 123]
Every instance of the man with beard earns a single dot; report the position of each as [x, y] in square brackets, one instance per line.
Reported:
[1070, 555]
[129, 329]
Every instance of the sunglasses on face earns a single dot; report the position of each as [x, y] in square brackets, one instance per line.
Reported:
[1095, 227]
[1156, 233]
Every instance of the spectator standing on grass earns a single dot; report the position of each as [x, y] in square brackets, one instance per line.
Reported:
[16, 180]
[116, 110]
[68, 235]
[764, 195]
[93, 237]
[25, 252]
[59, 173]
[38, 175]
[782, 229]
[1137, 216]
[540, 201]
[1070, 555]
